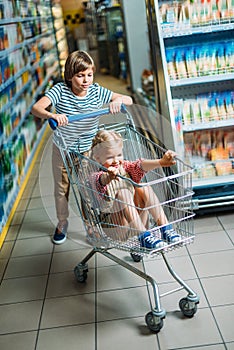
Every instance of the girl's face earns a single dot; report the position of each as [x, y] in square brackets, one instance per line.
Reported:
[81, 82]
[110, 156]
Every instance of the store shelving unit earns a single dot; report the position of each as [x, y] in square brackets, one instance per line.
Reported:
[60, 35]
[192, 51]
[29, 63]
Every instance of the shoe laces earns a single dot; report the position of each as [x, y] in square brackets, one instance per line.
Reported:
[170, 232]
[152, 239]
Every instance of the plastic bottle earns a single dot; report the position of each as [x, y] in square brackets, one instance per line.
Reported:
[221, 61]
[213, 108]
[171, 64]
[229, 56]
[180, 64]
[202, 60]
[213, 59]
[190, 62]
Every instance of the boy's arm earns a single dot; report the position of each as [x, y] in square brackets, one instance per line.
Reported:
[39, 110]
[117, 100]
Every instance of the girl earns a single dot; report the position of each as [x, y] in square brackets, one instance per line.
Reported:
[107, 149]
[77, 94]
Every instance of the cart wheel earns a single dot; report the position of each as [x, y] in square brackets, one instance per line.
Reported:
[136, 257]
[81, 275]
[150, 320]
[187, 307]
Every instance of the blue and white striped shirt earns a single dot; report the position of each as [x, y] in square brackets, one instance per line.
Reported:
[78, 135]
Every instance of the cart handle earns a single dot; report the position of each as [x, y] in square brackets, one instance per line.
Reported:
[76, 117]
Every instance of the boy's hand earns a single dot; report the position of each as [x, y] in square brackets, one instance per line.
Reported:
[61, 119]
[115, 106]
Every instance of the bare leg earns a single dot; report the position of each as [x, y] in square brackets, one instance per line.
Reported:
[145, 197]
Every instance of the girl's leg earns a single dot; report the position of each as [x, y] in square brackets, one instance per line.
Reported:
[129, 210]
[145, 197]
[125, 213]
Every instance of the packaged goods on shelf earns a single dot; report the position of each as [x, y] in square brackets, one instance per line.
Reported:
[195, 13]
[28, 63]
[214, 146]
[200, 60]
[207, 108]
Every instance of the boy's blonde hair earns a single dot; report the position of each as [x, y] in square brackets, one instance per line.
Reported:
[105, 139]
[77, 61]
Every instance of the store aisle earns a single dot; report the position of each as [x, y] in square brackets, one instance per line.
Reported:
[43, 307]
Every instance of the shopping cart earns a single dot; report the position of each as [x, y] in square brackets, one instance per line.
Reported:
[172, 186]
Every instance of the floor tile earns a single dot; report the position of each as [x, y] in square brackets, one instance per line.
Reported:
[115, 277]
[214, 264]
[210, 242]
[230, 233]
[170, 302]
[224, 318]
[123, 303]
[12, 233]
[28, 266]
[20, 317]
[206, 223]
[227, 220]
[129, 333]
[32, 246]
[185, 332]
[65, 284]
[36, 216]
[72, 338]
[6, 249]
[208, 347]
[29, 230]
[66, 261]
[22, 289]
[219, 290]
[68, 311]
[182, 265]
[230, 346]
[19, 341]
[3, 265]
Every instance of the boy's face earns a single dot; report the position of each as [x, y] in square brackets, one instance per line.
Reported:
[81, 82]
[110, 156]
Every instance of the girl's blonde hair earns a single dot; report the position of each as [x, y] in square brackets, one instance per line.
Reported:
[107, 139]
[77, 61]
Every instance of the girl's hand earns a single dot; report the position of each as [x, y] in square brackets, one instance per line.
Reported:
[168, 159]
[113, 172]
[61, 119]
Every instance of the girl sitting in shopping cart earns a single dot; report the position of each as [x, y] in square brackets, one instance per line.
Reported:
[120, 201]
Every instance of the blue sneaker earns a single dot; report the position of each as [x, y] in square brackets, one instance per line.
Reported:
[169, 234]
[60, 234]
[148, 240]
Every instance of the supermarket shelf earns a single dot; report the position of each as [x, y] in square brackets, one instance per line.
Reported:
[205, 79]
[211, 125]
[191, 88]
[173, 30]
[217, 180]
[30, 61]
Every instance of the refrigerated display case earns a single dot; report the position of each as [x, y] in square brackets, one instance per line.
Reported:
[192, 52]
[28, 65]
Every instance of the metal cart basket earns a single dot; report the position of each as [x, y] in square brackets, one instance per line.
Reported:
[172, 186]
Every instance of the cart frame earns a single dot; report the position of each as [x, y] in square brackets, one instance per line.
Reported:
[102, 245]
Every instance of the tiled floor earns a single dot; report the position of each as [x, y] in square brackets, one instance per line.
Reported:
[43, 307]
